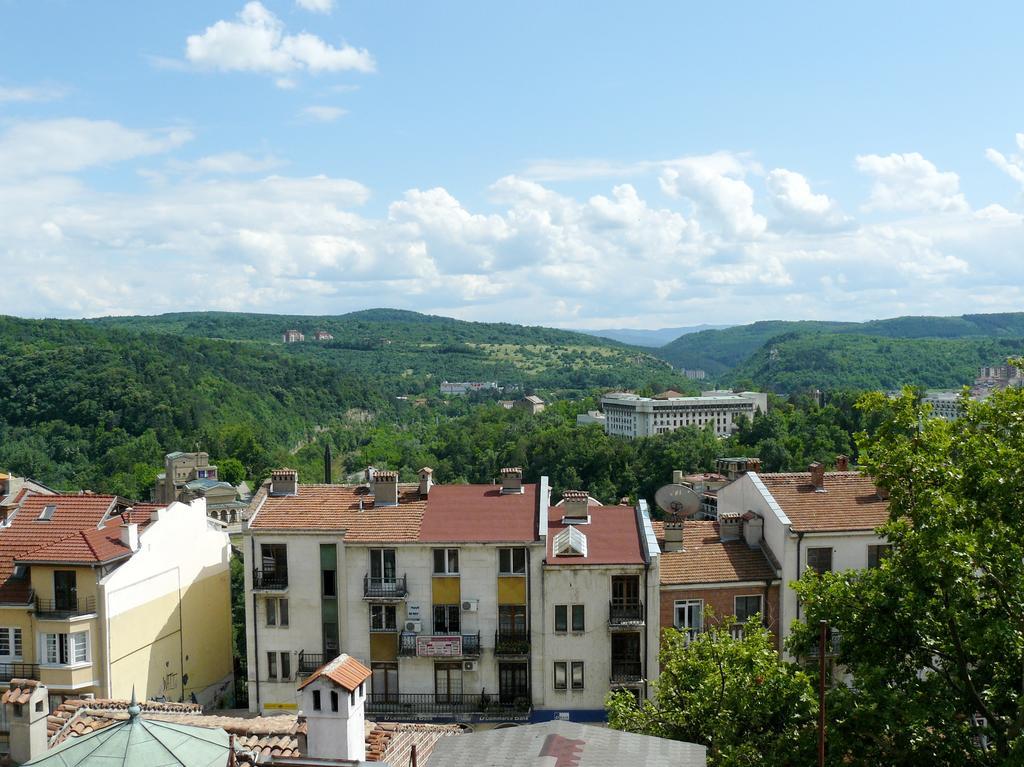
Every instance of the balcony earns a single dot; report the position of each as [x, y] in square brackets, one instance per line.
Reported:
[407, 645]
[625, 614]
[511, 643]
[269, 580]
[439, 645]
[832, 644]
[310, 662]
[471, 645]
[626, 672]
[9, 671]
[405, 706]
[60, 609]
[386, 589]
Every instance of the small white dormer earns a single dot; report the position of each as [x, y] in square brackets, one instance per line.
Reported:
[333, 699]
[570, 542]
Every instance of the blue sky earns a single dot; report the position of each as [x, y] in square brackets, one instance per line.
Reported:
[572, 164]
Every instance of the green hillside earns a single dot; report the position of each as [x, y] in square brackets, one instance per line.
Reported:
[796, 362]
[720, 351]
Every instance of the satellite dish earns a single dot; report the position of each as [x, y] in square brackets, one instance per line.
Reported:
[678, 500]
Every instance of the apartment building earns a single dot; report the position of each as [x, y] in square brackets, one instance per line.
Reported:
[98, 597]
[630, 415]
[814, 519]
[443, 591]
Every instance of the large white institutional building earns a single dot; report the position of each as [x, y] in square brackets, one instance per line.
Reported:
[630, 415]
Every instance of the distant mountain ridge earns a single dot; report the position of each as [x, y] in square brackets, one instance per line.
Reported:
[651, 338]
[720, 352]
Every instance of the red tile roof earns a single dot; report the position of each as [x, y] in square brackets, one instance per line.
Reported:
[344, 671]
[707, 559]
[849, 502]
[479, 514]
[27, 533]
[613, 538]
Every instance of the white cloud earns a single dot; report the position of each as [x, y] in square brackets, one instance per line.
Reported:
[801, 208]
[10, 94]
[716, 184]
[323, 114]
[909, 182]
[256, 42]
[1012, 166]
[72, 144]
[316, 6]
[227, 164]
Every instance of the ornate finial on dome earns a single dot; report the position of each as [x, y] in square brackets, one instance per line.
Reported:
[134, 709]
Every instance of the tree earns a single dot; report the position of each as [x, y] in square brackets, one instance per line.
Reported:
[934, 637]
[230, 470]
[734, 696]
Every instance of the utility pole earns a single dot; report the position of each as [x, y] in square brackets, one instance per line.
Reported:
[822, 636]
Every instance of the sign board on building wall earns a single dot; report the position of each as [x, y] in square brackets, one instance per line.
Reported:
[412, 611]
[280, 706]
[439, 646]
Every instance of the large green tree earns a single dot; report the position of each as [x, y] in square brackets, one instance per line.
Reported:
[933, 639]
[733, 695]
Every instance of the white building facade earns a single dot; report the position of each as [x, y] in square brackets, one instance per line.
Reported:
[630, 415]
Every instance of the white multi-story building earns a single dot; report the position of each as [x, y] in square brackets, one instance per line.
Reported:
[630, 415]
[450, 594]
[945, 404]
[817, 519]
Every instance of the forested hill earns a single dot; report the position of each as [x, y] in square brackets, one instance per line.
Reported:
[719, 352]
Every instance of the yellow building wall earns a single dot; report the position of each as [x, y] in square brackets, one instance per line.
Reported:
[63, 678]
[41, 577]
[158, 643]
[19, 617]
[446, 590]
[512, 590]
[383, 647]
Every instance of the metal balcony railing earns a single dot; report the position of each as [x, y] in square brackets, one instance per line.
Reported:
[384, 588]
[442, 704]
[511, 643]
[270, 580]
[626, 671]
[833, 643]
[65, 608]
[407, 645]
[310, 662]
[9, 671]
[471, 645]
[625, 613]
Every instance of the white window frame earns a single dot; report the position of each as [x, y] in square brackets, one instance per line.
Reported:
[512, 553]
[275, 613]
[760, 602]
[70, 642]
[12, 636]
[687, 605]
[447, 561]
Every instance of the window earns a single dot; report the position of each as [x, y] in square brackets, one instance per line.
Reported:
[877, 553]
[328, 570]
[277, 612]
[330, 584]
[274, 558]
[577, 618]
[47, 513]
[384, 682]
[382, 618]
[446, 561]
[689, 616]
[747, 607]
[511, 620]
[271, 665]
[10, 643]
[316, 700]
[512, 561]
[447, 682]
[560, 675]
[64, 649]
[820, 559]
[334, 700]
[513, 682]
[447, 619]
[577, 675]
[286, 665]
[561, 618]
[65, 590]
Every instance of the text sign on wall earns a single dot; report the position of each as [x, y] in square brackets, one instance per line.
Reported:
[439, 646]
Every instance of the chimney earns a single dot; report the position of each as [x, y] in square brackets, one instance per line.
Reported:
[511, 480]
[129, 531]
[842, 463]
[327, 463]
[334, 711]
[575, 504]
[730, 526]
[27, 706]
[677, 477]
[753, 529]
[426, 480]
[674, 534]
[369, 474]
[284, 482]
[817, 470]
[384, 487]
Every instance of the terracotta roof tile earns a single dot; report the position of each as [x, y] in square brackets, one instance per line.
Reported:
[20, 691]
[612, 538]
[480, 514]
[344, 670]
[849, 502]
[707, 559]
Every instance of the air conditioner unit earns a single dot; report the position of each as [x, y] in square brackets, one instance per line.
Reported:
[470, 605]
[469, 665]
[414, 626]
